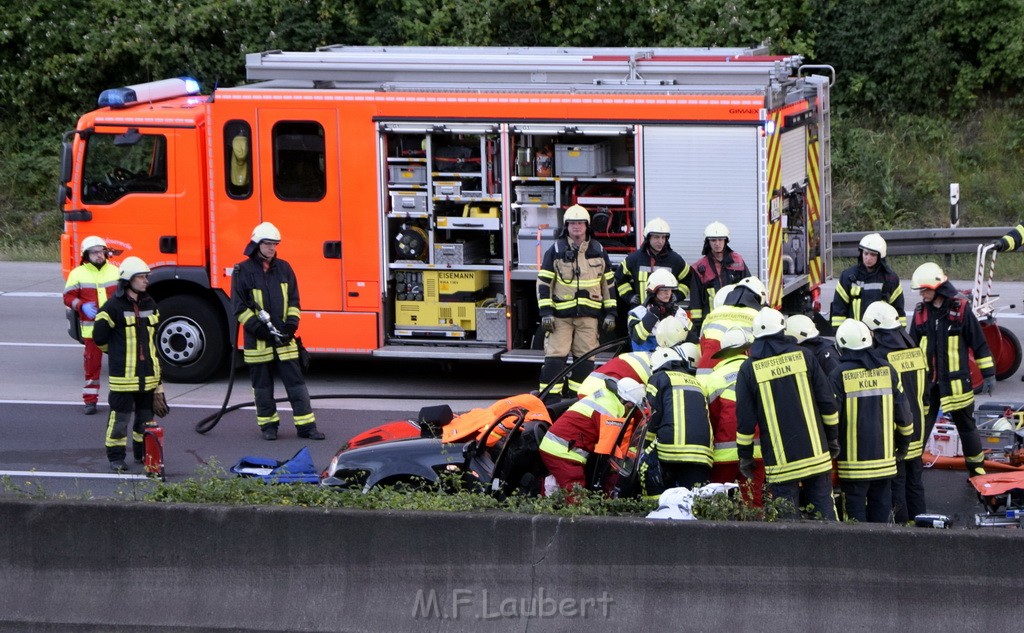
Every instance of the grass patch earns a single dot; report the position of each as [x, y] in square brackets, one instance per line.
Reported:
[11, 251]
[1009, 266]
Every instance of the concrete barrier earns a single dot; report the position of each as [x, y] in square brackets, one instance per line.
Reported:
[109, 566]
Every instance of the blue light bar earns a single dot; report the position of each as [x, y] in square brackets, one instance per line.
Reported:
[149, 92]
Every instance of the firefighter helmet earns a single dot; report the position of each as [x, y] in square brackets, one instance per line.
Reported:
[801, 327]
[657, 225]
[672, 330]
[92, 242]
[576, 213]
[716, 230]
[853, 334]
[663, 356]
[768, 321]
[132, 266]
[661, 278]
[881, 316]
[722, 294]
[735, 339]
[265, 232]
[873, 242]
[629, 390]
[690, 354]
[928, 276]
[754, 284]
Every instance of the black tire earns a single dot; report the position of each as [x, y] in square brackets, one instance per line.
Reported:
[191, 339]
[1011, 339]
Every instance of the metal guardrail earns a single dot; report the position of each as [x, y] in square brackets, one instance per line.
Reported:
[921, 241]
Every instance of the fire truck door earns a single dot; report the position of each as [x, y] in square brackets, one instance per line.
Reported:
[298, 170]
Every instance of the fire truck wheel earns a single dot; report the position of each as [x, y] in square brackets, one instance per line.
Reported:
[191, 339]
[1009, 358]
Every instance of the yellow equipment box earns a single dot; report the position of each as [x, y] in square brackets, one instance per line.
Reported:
[432, 314]
[450, 286]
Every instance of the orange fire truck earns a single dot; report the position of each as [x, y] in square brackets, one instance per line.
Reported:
[417, 188]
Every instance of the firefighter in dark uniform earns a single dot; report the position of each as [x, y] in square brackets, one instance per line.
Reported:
[574, 294]
[654, 254]
[782, 392]
[806, 334]
[265, 295]
[869, 280]
[1011, 241]
[908, 498]
[719, 266]
[945, 328]
[874, 424]
[125, 328]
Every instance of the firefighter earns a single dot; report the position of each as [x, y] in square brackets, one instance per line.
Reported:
[661, 303]
[125, 328]
[1011, 241]
[874, 422]
[945, 327]
[589, 426]
[908, 498]
[806, 334]
[782, 392]
[679, 420]
[88, 287]
[870, 279]
[265, 295]
[636, 365]
[719, 266]
[631, 277]
[737, 308]
[575, 294]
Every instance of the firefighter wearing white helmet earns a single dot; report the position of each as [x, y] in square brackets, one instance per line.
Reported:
[945, 327]
[893, 342]
[673, 330]
[133, 364]
[737, 308]
[591, 425]
[782, 394]
[679, 418]
[265, 296]
[88, 287]
[873, 410]
[801, 327]
[575, 295]
[632, 276]
[719, 266]
[643, 321]
[870, 279]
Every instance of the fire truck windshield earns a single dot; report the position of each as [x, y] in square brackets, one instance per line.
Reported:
[114, 169]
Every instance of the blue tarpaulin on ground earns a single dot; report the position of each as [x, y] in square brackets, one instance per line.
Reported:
[298, 469]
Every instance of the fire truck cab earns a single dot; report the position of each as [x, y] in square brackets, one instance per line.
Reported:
[417, 189]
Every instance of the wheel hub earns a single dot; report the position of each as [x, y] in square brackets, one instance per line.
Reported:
[181, 341]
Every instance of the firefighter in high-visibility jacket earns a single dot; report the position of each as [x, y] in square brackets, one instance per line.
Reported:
[679, 424]
[590, 426]
[908, 497]
[720, 266]
[945, 327]
[643, 321]
[635, 365]
[738, 308]
[782, 392]
[125, 328]
[874, 424]
[574, 295]
[870, 279]
[87, 289]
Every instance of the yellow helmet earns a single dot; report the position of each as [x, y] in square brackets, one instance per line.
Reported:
[768, 321]
[661, 278]
[672, 330]
[853, 334]
[576, 213]
[881, 316]
[873, 242]
[132, 266]
[716, 230]
[800, 327]
[657, 225]
[928, 276]
[265, 232]
[92, 242]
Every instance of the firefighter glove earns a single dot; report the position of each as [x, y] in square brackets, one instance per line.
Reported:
[747, 467]
[634, 301]
[609, 323]
[999, 246]
[160, 407]
[989, 385]
[89, 309]
[548, 323]
[833, 448]
[901, 452]
[261, 331]
[288, 329]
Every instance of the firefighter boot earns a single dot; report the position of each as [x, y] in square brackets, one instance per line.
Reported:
[118, 466]
[90, 408]
[309, 432]
[269, 432]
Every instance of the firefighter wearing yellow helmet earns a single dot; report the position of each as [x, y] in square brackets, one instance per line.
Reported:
[631, 276]
[870, 279]
[945, 327]
[575, 295]
[719, 266]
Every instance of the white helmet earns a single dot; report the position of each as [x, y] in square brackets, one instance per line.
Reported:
[661, 278]
[853, 334]
[92, 242]
[716, 230]
[629, 390]
[768, 321]
[265, 232]
[664, 355]
[672, 330]
[657, 225]
[873, 242]
[721, 295]
[928, 276]
[734, 339]
[757, 286]
[800, 327]
[690, 354]
[881, 316]
[576, 213]
[132, 266]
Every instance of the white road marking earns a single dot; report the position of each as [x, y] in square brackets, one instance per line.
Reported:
[32, 295]
[65, 403]
[43, 474]
[18, 344]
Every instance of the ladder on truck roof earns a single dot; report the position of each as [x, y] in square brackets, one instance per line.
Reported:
[664, 70]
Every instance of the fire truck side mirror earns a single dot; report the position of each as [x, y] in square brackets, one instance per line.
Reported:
[66, 161]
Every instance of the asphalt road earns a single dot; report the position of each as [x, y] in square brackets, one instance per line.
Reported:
[46, 443]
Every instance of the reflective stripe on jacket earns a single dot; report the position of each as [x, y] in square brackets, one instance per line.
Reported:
[274, 290]
[576, 282]
[679, 417]
[126, 331]
[86, 284]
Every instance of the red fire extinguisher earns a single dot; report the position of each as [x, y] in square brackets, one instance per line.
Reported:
[153, 441]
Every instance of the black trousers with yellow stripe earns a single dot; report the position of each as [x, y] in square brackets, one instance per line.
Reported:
[262, 375]
[122, 404]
